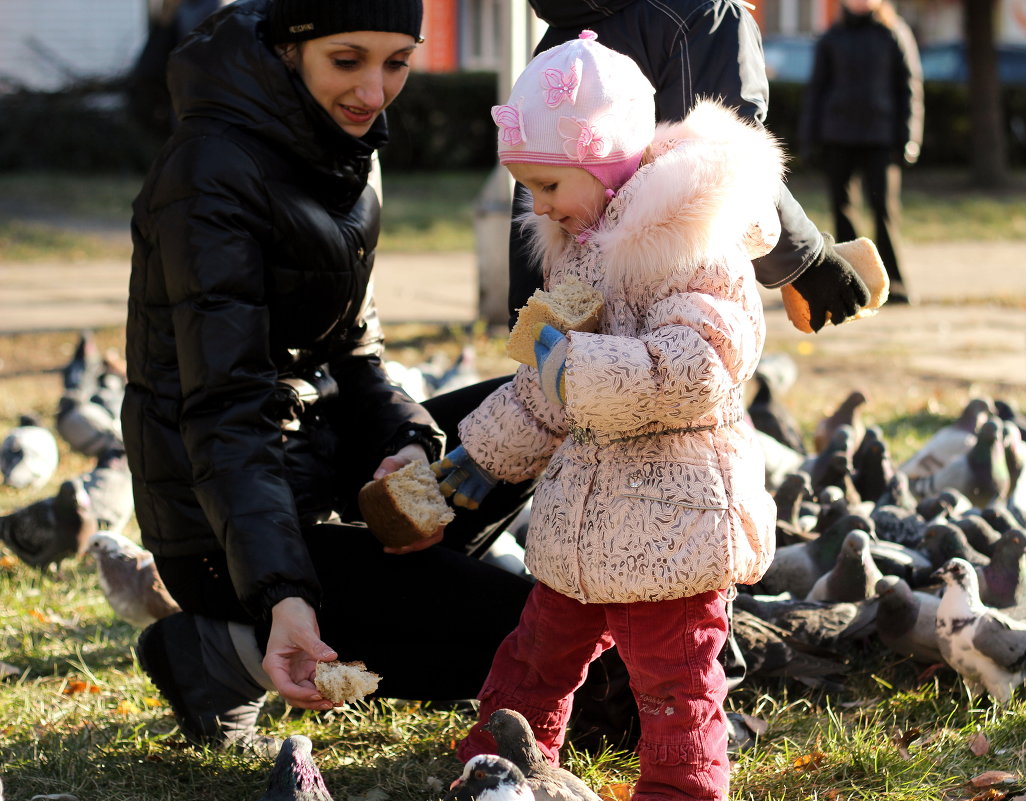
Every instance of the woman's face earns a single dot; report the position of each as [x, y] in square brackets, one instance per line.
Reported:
[354, 76]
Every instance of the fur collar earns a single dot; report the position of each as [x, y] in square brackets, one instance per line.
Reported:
[704, 183]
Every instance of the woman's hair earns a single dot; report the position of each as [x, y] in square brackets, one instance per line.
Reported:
[299, 20]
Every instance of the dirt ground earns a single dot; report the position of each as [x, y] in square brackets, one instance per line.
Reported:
[965, 335]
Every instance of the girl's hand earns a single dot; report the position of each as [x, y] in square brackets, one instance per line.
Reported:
[294, 648]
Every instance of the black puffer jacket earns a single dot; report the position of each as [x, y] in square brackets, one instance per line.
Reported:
[254, 238]
[866, 87]
[688, 49]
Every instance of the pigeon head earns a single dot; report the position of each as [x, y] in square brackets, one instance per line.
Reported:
[110, 543]
[514, 737]
[892, 585]
[957, 572]
[295, 775]
[488, 776]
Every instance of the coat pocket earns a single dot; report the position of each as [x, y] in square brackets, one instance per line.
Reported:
[687, 485]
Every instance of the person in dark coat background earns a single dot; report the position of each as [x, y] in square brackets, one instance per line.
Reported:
[863, 118]
[257, 404]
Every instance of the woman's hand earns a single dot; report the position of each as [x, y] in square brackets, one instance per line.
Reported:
[294, 648]
[411, 453]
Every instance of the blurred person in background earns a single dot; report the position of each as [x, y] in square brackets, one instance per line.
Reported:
[863, 119]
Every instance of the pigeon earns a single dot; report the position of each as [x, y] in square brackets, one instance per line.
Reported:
[819, 623]
[772, 652]
[902, 561]
[28, 455]
[949, 442]
[795, 568]
[50, 530]
[295, 776]
[780, 460]
[978, 532]
[948, 504]
[1001, 520]
[88, 427]
[1003, 580]
[488, 777]
[516, 742]
[847, 414]
[774, 375]
[461, 373]
[898, 494]
[981, 473]
[129, 579]
[1007, 412]
[985, 647]
[853, 577]
[109, 487]
[795, 488]
[944, 541]
[873, 469]
[85, 364]
[898, 525]
[907, 620]
[832, 467]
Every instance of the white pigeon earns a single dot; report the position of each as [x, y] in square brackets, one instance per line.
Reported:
[948, 442]
[28, 456]
[129, 579]
[488, 777]
[985, 647]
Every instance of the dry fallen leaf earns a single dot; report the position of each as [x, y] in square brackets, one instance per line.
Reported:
[809, 761]
[78, 686]
[616, 792]
[991, 777]
[7, 561]
[979, 744]
[151, 702]
[903, 740]
[126, 708]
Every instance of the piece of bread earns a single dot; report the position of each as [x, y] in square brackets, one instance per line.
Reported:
[404, 506]
[569, 306]
[345, 682]
[863, 256]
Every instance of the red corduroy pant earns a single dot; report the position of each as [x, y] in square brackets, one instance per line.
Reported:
[671, 651]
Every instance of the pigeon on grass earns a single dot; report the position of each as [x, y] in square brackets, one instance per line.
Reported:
[949, 442]
[985, 647]
[907, 620]
[50, 530]
[28, 455]
[854, 575]
[516, 742]
[488, 777]
[129, 579]
[295, 776]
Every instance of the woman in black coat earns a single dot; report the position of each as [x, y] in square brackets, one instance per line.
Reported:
[863, 116]
[257, 404]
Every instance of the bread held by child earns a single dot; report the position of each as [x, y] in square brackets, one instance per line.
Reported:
[863, 256]
[404, 506]
[569, 306]
[345, 682]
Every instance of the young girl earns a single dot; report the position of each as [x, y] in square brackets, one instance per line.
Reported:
[652, 504]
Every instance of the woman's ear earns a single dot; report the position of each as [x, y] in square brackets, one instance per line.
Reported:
[288, 53]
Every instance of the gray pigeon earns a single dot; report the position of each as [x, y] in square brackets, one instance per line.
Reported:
[898, 525]
[129, 579]
[109, 487]
[820, 623]
[48, 531]
[792, 490]
[1003, 581]
[907, 620]
[948, 504]
[516, 742]
[795, 568]
[985, 647]
[1000, 519]
[774, 375]
[853, 577]
[849, 414]
[948, 443]
[28, 455]
[488, 777]
[295, 776]
[944, 541]
[874, 470]
[832, 466]
[980, 534]
[898, 494]
[87, 427]
[981, 474]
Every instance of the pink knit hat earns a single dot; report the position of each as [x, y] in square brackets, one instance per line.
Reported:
[579, 104]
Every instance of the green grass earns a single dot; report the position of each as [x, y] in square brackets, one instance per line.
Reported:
[79, 716]
[434, 212]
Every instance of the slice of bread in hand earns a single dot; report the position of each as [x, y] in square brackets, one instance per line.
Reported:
[345, 682]
[404, 506]
[863, 256]
[569, 306]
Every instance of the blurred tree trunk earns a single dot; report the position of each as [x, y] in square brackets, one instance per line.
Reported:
[986, 117]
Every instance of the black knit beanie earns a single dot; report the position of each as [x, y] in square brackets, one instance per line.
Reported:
[299, 20]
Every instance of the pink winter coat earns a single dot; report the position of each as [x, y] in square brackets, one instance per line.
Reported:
[653, 486]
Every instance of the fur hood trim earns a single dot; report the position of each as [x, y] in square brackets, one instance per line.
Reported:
[704, 183]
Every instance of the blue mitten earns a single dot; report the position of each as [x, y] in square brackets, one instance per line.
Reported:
[463, 479]
[550, 353]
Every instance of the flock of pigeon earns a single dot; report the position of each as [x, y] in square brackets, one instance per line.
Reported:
[927, 557]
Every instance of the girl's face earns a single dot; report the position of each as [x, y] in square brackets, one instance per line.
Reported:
[862, 6]
[571, 196]
[354, 76]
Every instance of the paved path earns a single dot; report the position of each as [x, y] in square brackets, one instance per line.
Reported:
[971, 315]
